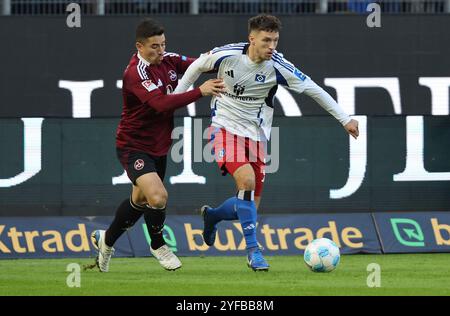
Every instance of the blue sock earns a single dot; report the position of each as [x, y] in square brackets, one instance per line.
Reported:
[246, 211]
[226, 211]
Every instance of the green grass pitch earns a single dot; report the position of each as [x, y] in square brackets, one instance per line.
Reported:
[405, 274]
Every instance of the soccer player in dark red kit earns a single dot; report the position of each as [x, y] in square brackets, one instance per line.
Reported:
[144, 138]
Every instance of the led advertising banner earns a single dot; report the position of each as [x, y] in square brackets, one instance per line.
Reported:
[414, 232]
[53, 237]
[395, 232]
[60, 237]
[282, 235]
[69, 167]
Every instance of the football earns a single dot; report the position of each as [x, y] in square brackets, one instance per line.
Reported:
[322, 255]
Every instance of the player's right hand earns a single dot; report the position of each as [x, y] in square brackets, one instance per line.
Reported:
[212, 87]
[352, 128]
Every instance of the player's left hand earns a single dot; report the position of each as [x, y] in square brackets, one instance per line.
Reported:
[352, 128]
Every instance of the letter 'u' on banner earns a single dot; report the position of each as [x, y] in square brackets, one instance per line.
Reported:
[358, 162]
[32, 149]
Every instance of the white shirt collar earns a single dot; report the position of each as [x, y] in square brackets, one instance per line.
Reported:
[143, 60]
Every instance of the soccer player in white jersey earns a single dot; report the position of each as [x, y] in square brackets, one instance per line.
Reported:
[242, 120]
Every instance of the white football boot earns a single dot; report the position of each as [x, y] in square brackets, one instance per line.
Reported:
[166, 258]
[104, 252]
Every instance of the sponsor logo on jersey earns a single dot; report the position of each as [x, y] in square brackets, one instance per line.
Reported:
[238, 89]
[260, 78]
[236, 97]
[160, 84]
[230, 73]
[139, 164]
[173, 75]
[149, 85]
[300, 75]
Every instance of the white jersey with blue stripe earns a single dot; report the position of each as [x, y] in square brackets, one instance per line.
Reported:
[246, 108]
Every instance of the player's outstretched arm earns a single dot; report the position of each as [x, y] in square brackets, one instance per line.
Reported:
[331, 106]
[297, 81]
[203, 64]
[161, 102]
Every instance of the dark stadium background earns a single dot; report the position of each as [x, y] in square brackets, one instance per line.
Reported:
[78, 155]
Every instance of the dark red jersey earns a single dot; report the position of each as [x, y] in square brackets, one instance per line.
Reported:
[147, 118]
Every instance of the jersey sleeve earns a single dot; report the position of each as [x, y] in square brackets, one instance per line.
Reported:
[207, 62]
[291, 77]
[148, 93]
[143, 89]
[288, 75]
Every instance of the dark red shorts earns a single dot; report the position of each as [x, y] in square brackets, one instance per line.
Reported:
[232, 151]
[138, 163]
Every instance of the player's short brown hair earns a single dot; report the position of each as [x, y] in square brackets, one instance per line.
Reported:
[148, 28]
[264, 22]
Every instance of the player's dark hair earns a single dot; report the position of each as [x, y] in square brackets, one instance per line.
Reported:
[264, 22]
[148, 28]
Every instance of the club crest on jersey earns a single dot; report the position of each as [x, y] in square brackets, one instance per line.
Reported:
[139, 164]
[260, 78]
[173, 75]
[149, 85]
[300, 75]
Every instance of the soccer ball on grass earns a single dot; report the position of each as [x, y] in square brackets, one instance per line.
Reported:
[322, 255]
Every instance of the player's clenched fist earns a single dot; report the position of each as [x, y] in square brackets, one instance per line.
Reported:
[212, 87]
[352, 128]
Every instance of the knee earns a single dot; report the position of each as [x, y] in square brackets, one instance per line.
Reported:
[158, 199]
[247, 183]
